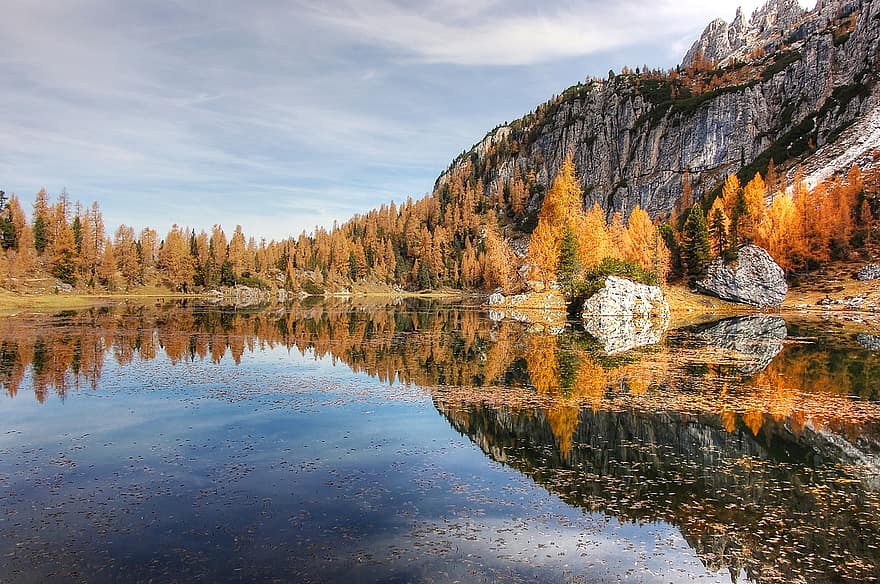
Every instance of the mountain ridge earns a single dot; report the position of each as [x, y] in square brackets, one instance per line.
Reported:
[784, 86]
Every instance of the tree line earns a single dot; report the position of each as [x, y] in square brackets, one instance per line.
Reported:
[458, 237]
[446, 239]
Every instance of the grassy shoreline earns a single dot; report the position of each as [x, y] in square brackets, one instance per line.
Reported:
[687, 307]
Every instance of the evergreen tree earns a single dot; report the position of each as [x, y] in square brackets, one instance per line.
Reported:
[569, 266]
[77, 233]
[696, 243]
[718, 227]
[8, 236]
[41, 238]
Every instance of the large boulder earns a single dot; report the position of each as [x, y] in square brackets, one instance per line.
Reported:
[623, 315]
[753, 278]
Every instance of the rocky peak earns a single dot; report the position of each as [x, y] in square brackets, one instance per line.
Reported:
[721, 40]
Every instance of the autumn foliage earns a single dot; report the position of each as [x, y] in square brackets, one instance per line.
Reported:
[638, 241]
[802, 227]
[458, 237]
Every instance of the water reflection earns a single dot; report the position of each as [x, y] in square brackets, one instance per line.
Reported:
[759, 439]
[776, 505]
[754, 340]
[745, 368]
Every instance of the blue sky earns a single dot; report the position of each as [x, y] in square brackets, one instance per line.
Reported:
[282, 115]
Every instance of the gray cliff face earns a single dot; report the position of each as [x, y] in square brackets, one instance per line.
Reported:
[631, 137]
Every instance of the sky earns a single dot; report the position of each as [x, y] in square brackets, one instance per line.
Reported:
[281, 115]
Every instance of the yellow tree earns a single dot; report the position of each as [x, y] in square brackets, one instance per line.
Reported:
[618, 237]
[594, 241]
[63, 243]
[640, 240]
[813, 209]
[754, 198]
[780, 234]
[125, 250]
[237, 252]
[562, 208]
[25, 257]
[498, 260]
[92, 241]
[730, 197]
[543, 254]
[218, 255]
[148, 244]
[518, 194]
[175, 262]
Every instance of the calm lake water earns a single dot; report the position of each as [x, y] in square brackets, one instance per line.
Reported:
[426, 442]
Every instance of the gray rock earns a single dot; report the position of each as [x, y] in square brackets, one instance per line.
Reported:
[496, 299]
[752, 341]
[870, 342]
[721, 42]
[244, 296]
[869, 272]
[624, 315]
[63, 287]
[753, 278]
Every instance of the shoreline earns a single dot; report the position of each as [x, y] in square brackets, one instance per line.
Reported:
[686, 307]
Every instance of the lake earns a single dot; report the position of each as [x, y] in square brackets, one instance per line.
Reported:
[426, 442]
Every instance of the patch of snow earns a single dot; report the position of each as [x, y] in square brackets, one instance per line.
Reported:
[855, 145]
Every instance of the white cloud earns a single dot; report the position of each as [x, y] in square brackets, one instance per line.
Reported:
[496, 33]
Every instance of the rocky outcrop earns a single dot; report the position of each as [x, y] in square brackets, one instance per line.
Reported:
[869, 272]
[631, 137]
[721, 42]
[753, 278]
[624, 315]
[532, 307]
[752, 341]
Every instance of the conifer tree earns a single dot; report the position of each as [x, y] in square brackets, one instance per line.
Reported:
[568, 266]
[41, 221]
[718, 227]
[125, 250]
[175, 262]
[696, 243]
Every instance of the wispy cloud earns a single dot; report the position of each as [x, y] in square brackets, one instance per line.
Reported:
[513, 33]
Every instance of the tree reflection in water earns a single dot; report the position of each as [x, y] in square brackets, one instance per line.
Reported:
[758, 438]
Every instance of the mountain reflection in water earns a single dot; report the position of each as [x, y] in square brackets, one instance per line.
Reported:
[759, 439]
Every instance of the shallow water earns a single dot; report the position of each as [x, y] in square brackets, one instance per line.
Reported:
[425, 442]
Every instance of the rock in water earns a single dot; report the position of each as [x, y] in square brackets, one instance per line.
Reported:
[754, 278]
[869, 272]
[624, 315]
[754, 341]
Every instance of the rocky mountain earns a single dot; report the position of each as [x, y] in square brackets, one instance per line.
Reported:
[793, 86]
